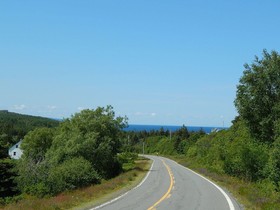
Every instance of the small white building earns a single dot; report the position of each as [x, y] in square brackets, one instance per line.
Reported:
[15, 152]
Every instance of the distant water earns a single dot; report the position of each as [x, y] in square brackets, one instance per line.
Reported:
[169, 127]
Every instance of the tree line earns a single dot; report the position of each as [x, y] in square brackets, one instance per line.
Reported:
[250, 148]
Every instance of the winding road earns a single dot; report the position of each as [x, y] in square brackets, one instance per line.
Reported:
[170, 186]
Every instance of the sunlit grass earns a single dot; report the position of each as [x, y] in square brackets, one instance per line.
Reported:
[88, 196]
[252, 196]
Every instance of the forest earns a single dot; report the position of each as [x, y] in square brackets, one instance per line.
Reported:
[16, 126]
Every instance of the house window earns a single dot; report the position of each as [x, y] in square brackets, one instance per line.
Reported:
[16, 146]
[15, 153]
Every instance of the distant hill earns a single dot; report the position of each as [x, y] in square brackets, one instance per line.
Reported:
[15, 126]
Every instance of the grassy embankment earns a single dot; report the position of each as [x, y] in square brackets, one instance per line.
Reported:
[88, 196]
[251, 196]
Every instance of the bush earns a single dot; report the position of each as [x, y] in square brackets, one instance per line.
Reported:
[233, 152]
[39, 189]
[127, 157]
[73, 173]
[31, 174]
[247, 159]
[273, 167]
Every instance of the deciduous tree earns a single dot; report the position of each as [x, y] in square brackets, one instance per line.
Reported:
[258, 96]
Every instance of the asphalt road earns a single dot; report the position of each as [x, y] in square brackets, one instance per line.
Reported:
[169, 186]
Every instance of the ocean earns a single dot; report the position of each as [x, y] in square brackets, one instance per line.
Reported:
[133, 127]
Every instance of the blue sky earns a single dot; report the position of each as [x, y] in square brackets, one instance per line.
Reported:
[156, 61]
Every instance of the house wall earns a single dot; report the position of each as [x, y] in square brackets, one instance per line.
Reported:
[15, 152]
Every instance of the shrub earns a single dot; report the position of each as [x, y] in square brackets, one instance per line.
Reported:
[127, 157]
[72, 173]
[246, 159]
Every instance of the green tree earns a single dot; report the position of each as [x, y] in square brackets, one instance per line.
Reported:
[4, 146]
[258, 96]
[274, 163]
[7, 185]
[182, 133]
[32, 176]
[180, 137]
[7, 172]
[81, 151]
[32, 168]
[93, 135]
[273, 166]
[71, 174]
[162, 132]
[36, 143]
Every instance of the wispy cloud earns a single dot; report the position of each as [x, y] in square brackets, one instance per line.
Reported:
[51, 107]
[19, 107]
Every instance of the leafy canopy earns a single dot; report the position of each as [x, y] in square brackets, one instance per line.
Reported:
[81, 151]
[258, 96]
[37, 142]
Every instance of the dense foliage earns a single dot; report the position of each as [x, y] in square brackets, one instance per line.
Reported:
[14, 127]
[81, 151]
[161, 141]
[8, 187]
[258, 96]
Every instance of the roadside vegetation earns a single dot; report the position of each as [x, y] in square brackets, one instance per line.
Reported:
[89, 196]
[13, 128]
[79, 161]
[88, 155]
[246, 157]
[79, 152]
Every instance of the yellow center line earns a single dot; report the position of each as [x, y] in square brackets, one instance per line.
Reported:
[167, 194]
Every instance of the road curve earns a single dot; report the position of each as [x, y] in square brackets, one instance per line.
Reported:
[169, 186]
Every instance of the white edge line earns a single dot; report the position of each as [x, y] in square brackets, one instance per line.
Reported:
[119, 197]
[231, 206]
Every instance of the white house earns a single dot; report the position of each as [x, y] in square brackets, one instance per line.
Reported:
[15, 152]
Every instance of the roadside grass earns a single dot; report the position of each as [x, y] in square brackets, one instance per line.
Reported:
[89, 196]
[252, 196]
